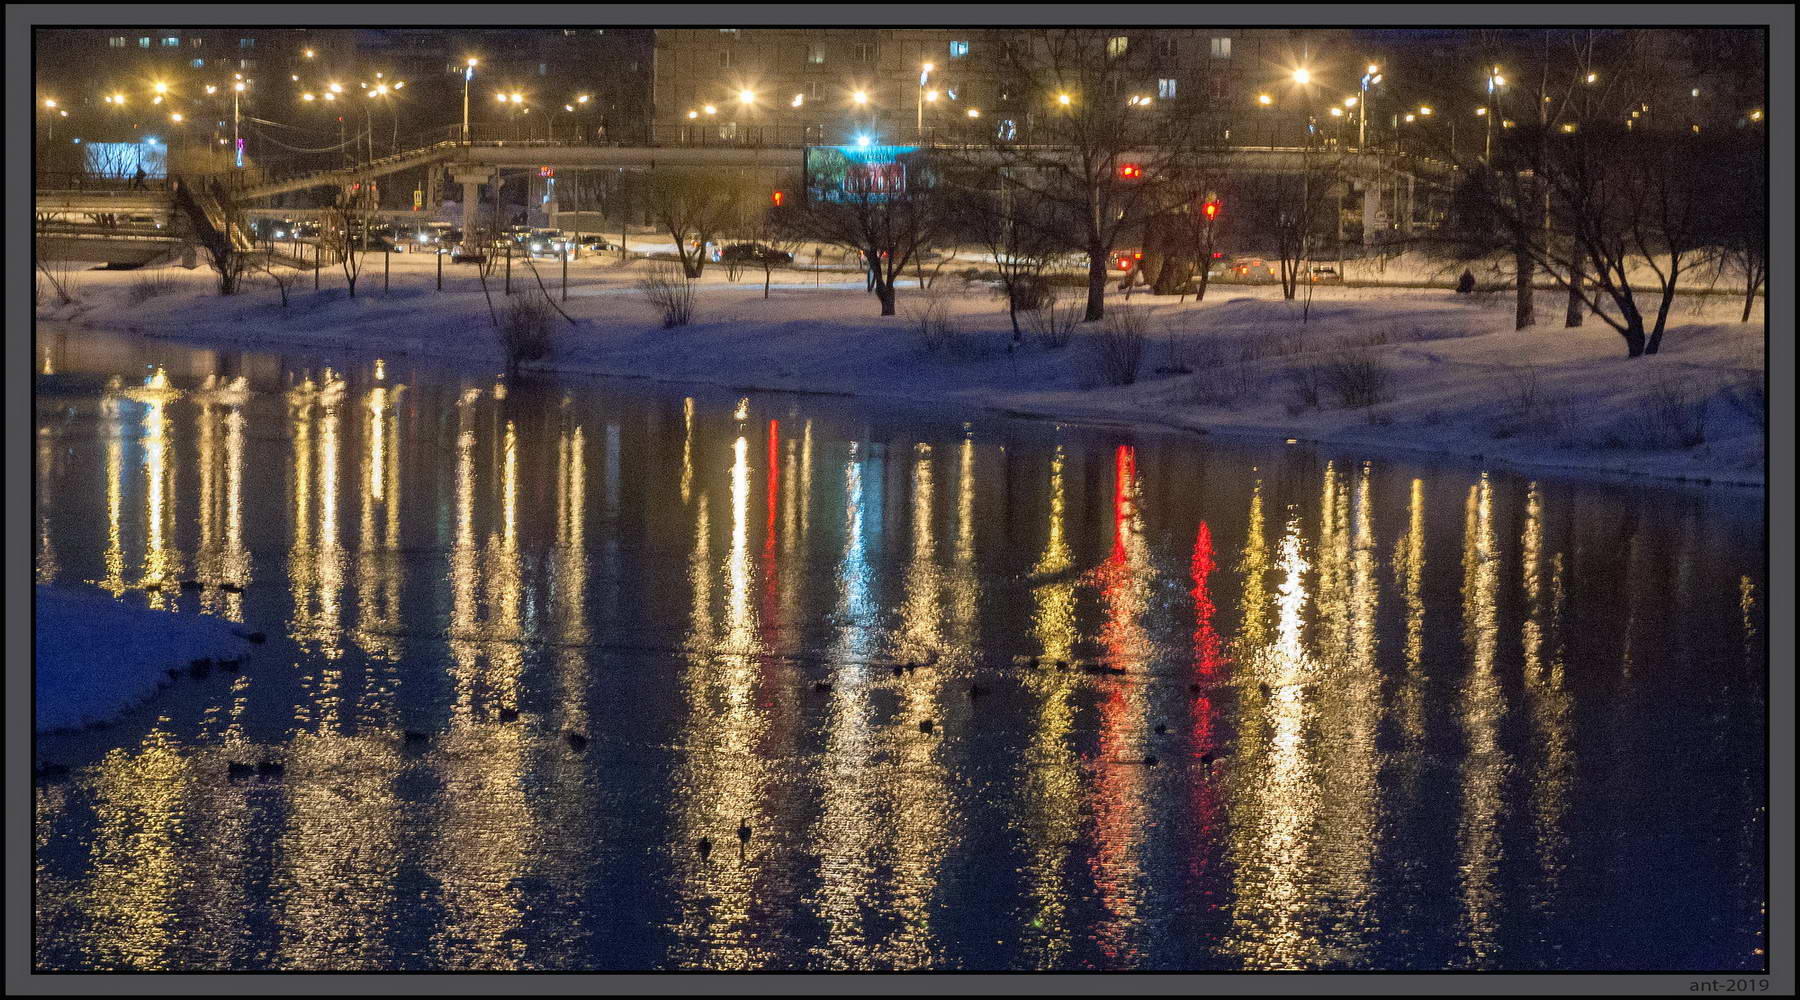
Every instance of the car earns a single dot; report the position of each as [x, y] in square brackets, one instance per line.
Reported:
[1324, 276]
[756, 253]
[1126, 260]
[596, 244]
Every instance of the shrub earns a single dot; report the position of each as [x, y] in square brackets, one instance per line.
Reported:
[525, 330]
[150, 284]
[1052, 324]
[1306, 380]
[672, 293]
[937, 328]
[1031, 292]
[1120, 345]
[1357, 379]
[1677, 413]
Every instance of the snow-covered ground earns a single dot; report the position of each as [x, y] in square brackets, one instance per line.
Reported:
[1450, 374]
[97, 658]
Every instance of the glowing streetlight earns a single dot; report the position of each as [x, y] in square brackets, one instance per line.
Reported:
[468, 75]
[160, 87]
[308, 96]
[1303, 76]
[1425, 111]
[48, 103]
[693, 114]
[1593, 78]
[710, 109]
[1264, 99]
[798, 101]
[309, 53]
[175, 117]
[746, 97]
[976, 113]
[860, 97]
[1063, 99]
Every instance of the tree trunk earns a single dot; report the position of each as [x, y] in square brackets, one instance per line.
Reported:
[1752, 281]
[1662, 318]
[885, 292]
[1012, 313]
[1577, 274]
[1523, 314]
[1096, 300]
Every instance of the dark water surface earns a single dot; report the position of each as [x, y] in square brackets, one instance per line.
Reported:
[1233, 708]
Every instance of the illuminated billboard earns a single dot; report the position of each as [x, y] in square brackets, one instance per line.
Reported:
[862, 172]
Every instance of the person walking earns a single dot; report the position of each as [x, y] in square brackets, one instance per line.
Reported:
[872, 262]
[137, 181]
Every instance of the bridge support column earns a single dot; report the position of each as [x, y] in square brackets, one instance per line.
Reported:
[1406, 221]
[1374, 219]
[471, 179]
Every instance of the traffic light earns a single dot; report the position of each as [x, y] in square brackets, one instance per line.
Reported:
[775, 199]
[1211, 210]
[1130, 172]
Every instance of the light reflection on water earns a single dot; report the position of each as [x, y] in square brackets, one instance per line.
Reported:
[983, 696]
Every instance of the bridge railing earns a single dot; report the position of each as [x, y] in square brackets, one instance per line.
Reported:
[78, 180]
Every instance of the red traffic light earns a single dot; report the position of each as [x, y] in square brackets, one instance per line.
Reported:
[1211, 209]
[1130, 171]
[775, 199]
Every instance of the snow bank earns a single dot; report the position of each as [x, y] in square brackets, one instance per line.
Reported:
[1458, 379]
[98, 658]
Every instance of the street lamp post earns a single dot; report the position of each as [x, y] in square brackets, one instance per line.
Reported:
[237, 142]
[468, 75]
[924, 76]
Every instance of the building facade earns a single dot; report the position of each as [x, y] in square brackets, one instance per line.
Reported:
[776, 84]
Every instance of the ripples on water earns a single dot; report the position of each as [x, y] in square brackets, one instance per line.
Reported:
[1188, 707]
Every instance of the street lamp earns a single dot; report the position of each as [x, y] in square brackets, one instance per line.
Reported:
[237, 141]
[924, 77]
[1371, 77]
[468, 75]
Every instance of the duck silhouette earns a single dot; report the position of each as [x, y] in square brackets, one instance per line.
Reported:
[576, 741]
[743, 832]
[925, 726]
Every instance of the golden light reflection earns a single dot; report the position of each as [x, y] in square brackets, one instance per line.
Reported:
[1409, 568]
[379, 568]
[1550, 703]
[316, 558]
[687, 448]
[1049, 803]
[1484, 762]
[489, 836]
[723, 773]
[137, 870]
[847, 833]
[162, 561]
[1277, 803]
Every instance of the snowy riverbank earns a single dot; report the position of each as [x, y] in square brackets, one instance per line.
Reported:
[98, 658]
[1388, 369]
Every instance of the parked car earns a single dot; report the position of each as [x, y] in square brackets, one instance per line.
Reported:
[758, 253]
[1127, 260]
[597, 244]
[1324, 276]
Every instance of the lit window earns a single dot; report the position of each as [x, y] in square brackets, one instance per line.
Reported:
[198, 64]
[1221, 48]
[865, 52]
[246, 43]
[171, 43]
[143, 43]
[815, 90]
[543, 69]
[117, 41]
[1165, 87]
[196, 42]
[815, 54]
[959, 49]
[1115, 46]
[246, 64]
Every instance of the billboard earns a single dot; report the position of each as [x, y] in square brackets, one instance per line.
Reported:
[122, 159]
[862, 172]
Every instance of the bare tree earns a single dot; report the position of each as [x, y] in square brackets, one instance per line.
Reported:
[347, 217]
[888, 215]
[774, 230]
[1088, 141]
[1021, 234]
[694, 208]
